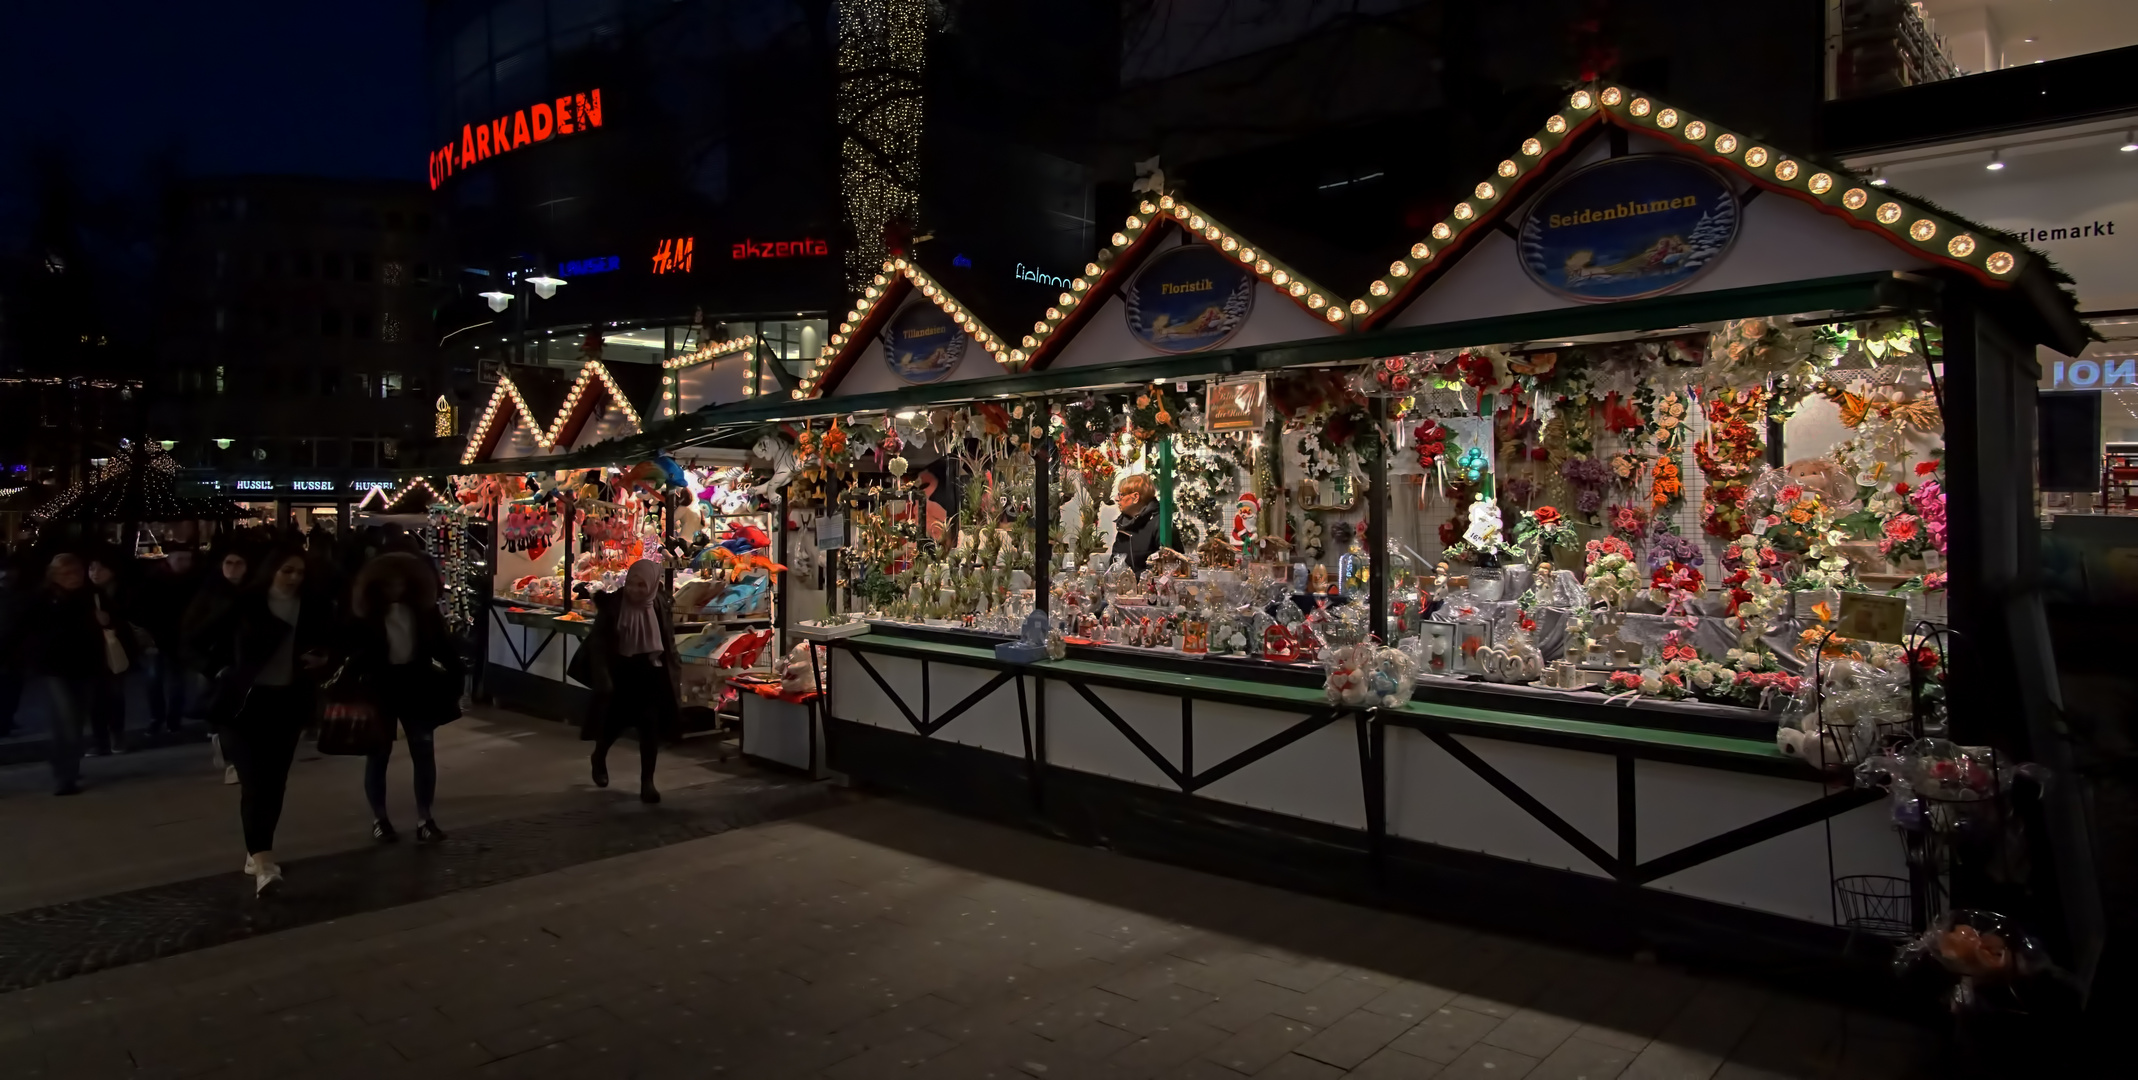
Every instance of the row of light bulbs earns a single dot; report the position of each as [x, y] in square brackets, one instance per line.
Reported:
[873, 296]
[1443, 235]
[594, 369]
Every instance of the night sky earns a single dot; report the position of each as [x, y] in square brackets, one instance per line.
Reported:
[233, 86]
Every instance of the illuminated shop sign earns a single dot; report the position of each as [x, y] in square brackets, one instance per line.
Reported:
[312, 485]
[2114, 374]
[583, 267]
[780, 249]
[673, 256]
[539, 122]
[1027, 273]
[256, 485]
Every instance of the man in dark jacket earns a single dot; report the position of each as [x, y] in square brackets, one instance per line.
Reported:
[1136, 529]
[65, 654]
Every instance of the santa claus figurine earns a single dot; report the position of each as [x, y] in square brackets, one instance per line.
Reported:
[1246, 513]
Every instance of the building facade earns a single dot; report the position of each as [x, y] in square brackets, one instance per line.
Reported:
[296, 351]
[654, 174]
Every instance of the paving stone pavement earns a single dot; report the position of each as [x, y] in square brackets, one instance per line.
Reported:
[880, 939]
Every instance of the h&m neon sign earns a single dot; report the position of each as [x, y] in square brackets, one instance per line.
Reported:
[540, 122]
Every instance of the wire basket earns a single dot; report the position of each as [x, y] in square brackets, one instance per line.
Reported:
[1876, 905]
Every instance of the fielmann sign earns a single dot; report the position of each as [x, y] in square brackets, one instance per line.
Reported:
[540, 122]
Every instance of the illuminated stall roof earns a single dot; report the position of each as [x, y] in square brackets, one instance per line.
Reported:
[1928, 234]
[414, 496]
[631, 389]
[1145, 235]
[880, 301]
[524, 396]
[683, 385]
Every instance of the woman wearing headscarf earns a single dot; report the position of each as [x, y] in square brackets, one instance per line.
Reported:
[400, 650]
[269, 652]
[629, 660]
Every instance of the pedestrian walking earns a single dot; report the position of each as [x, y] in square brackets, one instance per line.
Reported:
[64, 648]
[216, 596]
[15, 599]
[166, 597]
[270, 650]
[400, 651]
[630, 662]
[114, 602]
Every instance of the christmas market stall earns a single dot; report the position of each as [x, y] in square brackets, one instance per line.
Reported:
[570, 517]
[1651, 540]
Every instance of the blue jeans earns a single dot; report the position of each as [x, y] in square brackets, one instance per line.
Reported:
[69, 702]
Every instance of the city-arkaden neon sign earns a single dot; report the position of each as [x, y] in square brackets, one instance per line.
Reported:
[540, 122]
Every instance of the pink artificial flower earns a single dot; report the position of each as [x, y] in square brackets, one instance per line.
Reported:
[1791, 493]
[1902, 528]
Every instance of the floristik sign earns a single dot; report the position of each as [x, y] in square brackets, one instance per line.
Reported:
[540, 122]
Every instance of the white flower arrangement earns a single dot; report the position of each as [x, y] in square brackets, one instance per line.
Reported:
[1614, 579]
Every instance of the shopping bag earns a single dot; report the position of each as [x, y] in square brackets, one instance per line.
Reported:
[349, 719]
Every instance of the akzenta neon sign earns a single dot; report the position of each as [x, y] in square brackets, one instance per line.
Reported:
[540, 122]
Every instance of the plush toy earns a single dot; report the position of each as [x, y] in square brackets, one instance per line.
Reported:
[797, 674]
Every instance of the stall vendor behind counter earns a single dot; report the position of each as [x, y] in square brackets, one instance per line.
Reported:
[1136, 529]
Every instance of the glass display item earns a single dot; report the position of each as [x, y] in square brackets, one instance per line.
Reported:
[1353, 569]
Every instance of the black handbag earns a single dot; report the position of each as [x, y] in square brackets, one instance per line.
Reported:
[350, 721]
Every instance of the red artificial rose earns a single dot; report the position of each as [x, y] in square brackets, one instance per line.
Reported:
[1548, 515]
[1539, 454]
[1925, 468]
[1900, 488]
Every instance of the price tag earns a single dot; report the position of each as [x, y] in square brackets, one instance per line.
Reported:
[831, 532]
[1873, 617]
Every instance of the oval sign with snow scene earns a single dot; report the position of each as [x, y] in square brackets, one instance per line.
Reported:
[1188, 298]
[1629, 227]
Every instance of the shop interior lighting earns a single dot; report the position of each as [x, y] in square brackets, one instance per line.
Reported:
[497, 299]
[1996, 161]
[545, 286]
[2130, 142]
[1878, 177]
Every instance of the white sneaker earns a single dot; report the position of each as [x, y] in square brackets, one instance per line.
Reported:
[252, 866]
[230, 774]
[266, 875]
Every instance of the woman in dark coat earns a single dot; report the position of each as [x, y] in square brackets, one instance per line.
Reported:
[269, 652]
[630, 662]
[401, 652]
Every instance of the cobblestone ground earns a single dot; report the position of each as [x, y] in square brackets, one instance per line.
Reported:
[877, 939]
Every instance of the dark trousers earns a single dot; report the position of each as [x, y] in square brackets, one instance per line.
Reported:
[395, 699]
[640, 697]
[262, 742]
[107, 712]
[169, 683]
[11, 683]
[67, 711]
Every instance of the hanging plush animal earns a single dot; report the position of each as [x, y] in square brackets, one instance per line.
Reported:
[743, 538]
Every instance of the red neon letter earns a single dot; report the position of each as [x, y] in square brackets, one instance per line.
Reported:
[564, 116]
[543, 121]
[500, 135]
[519, 129]
[482, 142]
[594, 114]
[467, 146]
